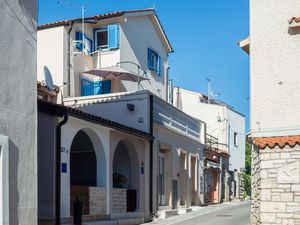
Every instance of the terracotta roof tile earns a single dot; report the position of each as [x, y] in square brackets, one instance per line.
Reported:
[96, 17]
[294, 19]
[272, 142]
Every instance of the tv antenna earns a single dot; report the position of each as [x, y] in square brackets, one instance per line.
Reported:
[75, 6]
[48, 79]
[210, 93]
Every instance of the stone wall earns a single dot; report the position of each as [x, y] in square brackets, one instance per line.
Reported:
[276, 186]
[119, 200]
[97, 200]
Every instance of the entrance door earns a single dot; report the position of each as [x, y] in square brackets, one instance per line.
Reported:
[162, 181]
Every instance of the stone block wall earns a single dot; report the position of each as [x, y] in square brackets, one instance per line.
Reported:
[97, 201]
[276, 186]
[119, 201]
[255, 186]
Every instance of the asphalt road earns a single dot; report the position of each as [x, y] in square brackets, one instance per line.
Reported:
[224, 214]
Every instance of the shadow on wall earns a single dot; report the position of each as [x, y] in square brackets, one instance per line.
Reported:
[13, 183]
[294, 30]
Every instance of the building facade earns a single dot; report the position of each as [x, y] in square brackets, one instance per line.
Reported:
[274, 110]
[167, 171]
[18, 114]
[225, 141]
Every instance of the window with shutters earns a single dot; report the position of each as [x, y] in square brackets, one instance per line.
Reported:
[89, 88]
[101, 38]
[83, 42]
[154, 61]
[235, 139]
[107, 37]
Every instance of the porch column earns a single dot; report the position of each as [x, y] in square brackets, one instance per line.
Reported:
[108, 185]
[155, 191]
[188, 180]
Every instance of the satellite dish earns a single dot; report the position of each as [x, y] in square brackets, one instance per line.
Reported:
[48, 78]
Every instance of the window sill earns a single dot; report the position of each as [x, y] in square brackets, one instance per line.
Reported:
[154, 73]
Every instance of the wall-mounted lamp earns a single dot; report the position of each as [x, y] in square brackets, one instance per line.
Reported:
[131, 107]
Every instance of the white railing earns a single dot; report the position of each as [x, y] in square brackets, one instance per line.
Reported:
[169, 116]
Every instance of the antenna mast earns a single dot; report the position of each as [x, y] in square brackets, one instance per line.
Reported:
[209, 91]
[71, 5]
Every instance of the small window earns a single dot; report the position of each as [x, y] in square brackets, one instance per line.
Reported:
[101, 38]
[154, 61]
[235, 138]
[107, 37]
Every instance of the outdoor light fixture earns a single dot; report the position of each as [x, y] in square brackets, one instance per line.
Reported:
[131, 107]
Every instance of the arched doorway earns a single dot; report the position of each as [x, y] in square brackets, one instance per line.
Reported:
[83, 163]
[83, 169]
[126, 173]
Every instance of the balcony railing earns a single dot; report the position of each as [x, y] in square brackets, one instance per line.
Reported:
[170, 117]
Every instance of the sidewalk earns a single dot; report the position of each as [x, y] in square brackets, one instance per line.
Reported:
[197, 211]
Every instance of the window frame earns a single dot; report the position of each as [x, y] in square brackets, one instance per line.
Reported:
[154, 65]
[235, 139]
[96, 31]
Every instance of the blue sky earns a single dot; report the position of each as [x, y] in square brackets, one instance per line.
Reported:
[203, 33]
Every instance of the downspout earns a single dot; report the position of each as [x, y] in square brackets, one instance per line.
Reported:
[69, 57]
[151, 157]
[58, 168]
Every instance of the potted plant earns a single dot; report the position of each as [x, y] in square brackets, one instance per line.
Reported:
[119, 180]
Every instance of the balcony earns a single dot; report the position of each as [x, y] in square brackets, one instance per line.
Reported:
[176, 120]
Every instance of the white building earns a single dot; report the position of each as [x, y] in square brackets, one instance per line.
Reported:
[133, 41]
[223, 123]
[273, 46]
[111, 39]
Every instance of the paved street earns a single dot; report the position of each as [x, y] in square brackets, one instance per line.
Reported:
[224, 214]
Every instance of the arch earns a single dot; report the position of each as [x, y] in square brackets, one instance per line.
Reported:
[91, 142]
[126, 163]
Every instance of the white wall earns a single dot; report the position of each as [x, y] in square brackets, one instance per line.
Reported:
[50, 53]
[114, 107]
[236, 123]
[274, 50]
[189, 103]
[221, 122]
[177, 143]
[137, 35]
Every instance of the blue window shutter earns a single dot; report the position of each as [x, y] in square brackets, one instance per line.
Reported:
[158, 69]
[79, 38]
[150, 63]
[106, 86]
[86, 88]
[113, 36]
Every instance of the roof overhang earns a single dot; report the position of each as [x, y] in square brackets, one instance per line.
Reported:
[127, 13]
[61, 110]
[245, 45]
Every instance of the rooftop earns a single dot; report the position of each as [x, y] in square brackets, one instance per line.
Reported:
[109, 15]
[272, 142]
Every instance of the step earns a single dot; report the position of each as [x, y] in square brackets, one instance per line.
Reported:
[103, 222]
[182, 211]
[131, 221]
[127, 215]
[165, 214]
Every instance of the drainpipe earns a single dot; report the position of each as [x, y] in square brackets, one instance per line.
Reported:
[69, 57]
[151, 156]
[58, 168]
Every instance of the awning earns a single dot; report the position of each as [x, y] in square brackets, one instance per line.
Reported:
[116, 72]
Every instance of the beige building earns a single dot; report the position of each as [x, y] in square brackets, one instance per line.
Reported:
[274, 49]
